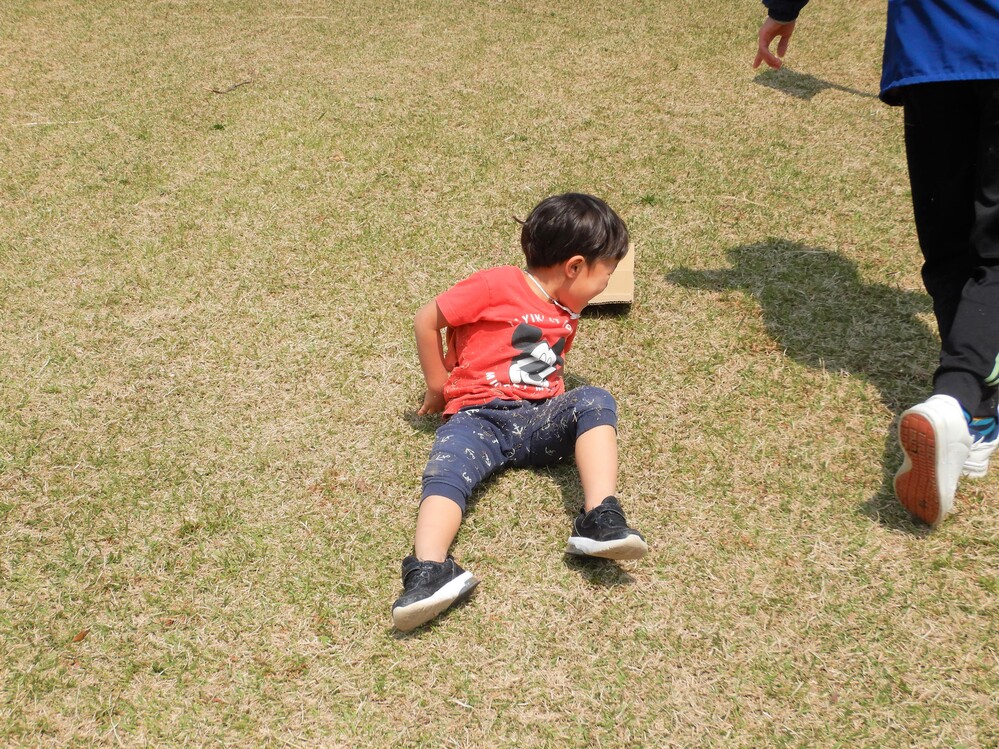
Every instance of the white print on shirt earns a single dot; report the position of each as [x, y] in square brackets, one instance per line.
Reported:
[530, 318]
[538, 361]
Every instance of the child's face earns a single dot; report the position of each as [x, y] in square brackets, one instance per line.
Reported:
[590, 280]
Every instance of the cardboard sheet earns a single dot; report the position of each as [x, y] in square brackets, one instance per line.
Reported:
[621, 288]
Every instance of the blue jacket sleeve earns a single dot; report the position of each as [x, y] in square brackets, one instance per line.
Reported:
[784, 11]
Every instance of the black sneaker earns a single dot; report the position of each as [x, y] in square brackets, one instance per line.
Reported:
[603, 532]
[427, 589]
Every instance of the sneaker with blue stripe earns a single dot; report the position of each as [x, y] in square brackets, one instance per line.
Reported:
[984, 441]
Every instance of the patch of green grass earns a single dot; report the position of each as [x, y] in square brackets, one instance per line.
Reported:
[209, 455]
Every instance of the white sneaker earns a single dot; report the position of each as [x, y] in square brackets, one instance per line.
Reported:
[936, 442]
[977, 464]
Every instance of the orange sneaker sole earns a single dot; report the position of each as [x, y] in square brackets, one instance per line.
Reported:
[916, 482]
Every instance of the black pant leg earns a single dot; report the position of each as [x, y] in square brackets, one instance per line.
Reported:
[952, 146]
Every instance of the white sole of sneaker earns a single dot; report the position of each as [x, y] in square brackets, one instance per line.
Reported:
[409, 617]
[629, 547]
[974, 469]
[977, 464]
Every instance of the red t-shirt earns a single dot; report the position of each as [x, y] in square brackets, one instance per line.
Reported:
[507, 341]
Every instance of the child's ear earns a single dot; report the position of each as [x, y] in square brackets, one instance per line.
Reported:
[574, 265]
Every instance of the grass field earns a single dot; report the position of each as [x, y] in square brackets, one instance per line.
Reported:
[216, 222]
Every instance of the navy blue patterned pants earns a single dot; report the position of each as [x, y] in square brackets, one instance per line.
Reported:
[480, 440]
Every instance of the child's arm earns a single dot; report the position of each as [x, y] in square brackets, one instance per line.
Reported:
[428, 325]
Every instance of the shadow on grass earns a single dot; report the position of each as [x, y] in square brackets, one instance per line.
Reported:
[424, 424]
[601, 572]
[597, 311]
[820, 312]
[424, 628]
[802, 85]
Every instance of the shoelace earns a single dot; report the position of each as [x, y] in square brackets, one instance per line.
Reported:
[600, 513]
[421, 570]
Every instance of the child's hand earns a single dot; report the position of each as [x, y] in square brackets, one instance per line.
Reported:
[770, 30]
[433, 403]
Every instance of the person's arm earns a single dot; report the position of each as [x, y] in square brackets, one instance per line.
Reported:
[427, 325]
[779, 24]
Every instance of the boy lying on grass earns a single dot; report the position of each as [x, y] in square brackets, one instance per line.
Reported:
[504, 401]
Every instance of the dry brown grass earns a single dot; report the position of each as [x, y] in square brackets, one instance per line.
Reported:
[208, 454]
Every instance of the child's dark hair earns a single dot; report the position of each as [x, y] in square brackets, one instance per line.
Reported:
[562, 226]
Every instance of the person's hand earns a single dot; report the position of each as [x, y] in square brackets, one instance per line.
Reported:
[433, 403]
[770, 30]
